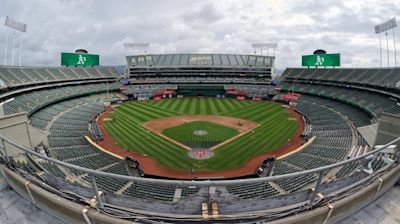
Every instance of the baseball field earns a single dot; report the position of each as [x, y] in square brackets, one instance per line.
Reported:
[238, 130]
[200, 134]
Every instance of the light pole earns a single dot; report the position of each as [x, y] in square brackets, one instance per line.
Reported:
[5, 55]
[380, 49]
[262, 46]
[20, 52]
[12, 49]
[384, 27]
[16, 26]
[394, 48]
[136, 46]
[267, 46]
[387, 48]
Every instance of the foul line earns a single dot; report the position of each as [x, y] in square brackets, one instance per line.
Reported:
[168, 138]
[102, 149]
[299, 148]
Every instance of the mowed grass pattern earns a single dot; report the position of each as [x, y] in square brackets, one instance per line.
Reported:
[215, 133]
[274, 131]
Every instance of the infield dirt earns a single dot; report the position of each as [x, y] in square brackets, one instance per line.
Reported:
[158, 125]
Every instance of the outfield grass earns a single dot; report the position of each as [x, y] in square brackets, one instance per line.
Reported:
[274, 131]
[185, 134]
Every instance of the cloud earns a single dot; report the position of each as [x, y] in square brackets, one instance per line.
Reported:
[206, 15]
[190, 26]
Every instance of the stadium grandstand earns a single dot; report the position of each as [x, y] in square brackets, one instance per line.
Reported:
[209, 74]
[52, 151]
[219, 118]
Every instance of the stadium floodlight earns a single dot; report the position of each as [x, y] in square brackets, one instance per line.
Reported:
[138, 46]
[384, 27]
[15, 26]
[262, 46]
[388, 25]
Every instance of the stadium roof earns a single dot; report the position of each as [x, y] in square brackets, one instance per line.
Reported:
[207, 60]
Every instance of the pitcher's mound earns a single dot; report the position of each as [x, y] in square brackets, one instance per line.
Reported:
[200, 133]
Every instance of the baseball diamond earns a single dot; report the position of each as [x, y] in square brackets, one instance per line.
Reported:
[200, 134]
[273, 128]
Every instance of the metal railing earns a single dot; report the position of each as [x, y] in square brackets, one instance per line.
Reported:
[319, 172]
[194, 183]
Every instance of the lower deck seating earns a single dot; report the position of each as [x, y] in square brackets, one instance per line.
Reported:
[70, 121]
[333, 140]
[371, 101]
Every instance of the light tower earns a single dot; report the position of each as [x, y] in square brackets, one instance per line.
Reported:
[262, 46]
[384, 27]
[268, 47]
[15, 26]
[140, 47]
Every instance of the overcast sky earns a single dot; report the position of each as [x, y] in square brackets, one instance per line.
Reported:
[206, 26]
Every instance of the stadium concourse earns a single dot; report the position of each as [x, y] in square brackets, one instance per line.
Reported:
[49, 132]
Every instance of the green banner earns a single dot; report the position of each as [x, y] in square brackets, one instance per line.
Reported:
[321, 60]
[76, 59]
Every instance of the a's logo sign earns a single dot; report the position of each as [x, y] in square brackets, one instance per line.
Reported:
[81, 60]
[320, 61]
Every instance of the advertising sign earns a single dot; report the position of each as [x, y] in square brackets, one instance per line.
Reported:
[76, 59]
[321, 60]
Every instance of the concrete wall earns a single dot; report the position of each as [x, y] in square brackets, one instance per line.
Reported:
[59, 207]
[388, 129]
[3, 184]
[15, 128]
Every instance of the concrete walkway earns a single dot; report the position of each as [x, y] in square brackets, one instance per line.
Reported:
[16, 210]
[385, 210]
